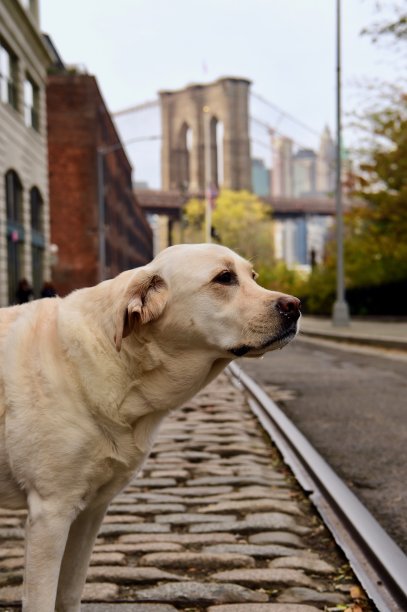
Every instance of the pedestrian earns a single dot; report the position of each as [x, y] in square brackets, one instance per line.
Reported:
[24, 291]
[48, 290]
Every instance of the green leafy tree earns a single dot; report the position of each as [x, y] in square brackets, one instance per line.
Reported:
[240, 221]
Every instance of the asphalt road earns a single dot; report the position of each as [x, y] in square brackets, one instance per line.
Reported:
[352, 407]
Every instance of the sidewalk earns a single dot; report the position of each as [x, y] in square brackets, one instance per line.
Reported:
[384, 334]
[215, 523]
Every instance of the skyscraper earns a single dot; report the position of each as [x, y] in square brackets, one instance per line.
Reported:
[282, 183]
[304, 173]
[325, 179]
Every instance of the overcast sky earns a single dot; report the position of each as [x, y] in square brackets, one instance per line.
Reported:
[285, 47]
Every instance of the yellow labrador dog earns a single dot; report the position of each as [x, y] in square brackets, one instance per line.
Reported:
[87, 379]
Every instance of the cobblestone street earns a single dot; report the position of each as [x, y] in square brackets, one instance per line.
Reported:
[215, 522]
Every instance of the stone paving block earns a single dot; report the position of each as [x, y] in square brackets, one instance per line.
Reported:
[170, 473]
[11, 594]
[99, 591]
[255, 522]
[229, 450]
[256, 492]
[277, 537]
[269, 551]
[181, 538]
[125, 575]
[265, 577]
[10, 578]
[191, 518]
[11, 533]
[266, 607]
[311, 596]
[118, 529]
[200, 593]
[14, 563]
[143, 547]
[8, 553]
[146, 508]
[122, 519]
[259, 505]
[107, 558]
[154, 497]
[201, 560]
[312, 565]
[236, 481]
[9, 521]
[132, 607]
[198, 491]
[11, 512]
[152, 483]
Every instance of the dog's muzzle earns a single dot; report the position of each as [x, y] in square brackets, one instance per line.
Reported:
[289, 309]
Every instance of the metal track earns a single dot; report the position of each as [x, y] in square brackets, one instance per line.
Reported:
[379, 564]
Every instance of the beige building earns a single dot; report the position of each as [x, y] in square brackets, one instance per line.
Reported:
[24, 209]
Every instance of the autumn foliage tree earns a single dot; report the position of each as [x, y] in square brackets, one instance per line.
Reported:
[375, 245]
[376, 241]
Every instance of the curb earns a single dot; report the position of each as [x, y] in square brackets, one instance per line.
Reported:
[385, 342]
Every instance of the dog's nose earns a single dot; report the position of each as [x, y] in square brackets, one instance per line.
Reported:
[289, 306]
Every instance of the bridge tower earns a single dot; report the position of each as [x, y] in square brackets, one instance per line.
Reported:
[183, 138]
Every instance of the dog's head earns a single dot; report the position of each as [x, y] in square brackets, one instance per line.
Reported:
[206, 296]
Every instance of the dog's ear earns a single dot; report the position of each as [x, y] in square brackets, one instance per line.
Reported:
[144, 300]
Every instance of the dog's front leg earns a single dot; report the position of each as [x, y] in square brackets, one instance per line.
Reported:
[76, 558]
[47, 530]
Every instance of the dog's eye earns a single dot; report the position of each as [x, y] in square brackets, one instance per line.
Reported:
[226, 278]
[255, 276]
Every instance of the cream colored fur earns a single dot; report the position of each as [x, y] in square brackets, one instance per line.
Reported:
[85, 382]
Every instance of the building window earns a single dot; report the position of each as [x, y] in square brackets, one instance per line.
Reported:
[14, 198]
[8, 76]
[15, 232]
[31, 104]
[36, 207]
[37, 240]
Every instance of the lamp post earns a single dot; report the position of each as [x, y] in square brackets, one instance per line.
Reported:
[340, 313]
[208, 174]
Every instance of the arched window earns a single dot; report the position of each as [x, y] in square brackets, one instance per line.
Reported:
[14, 197]
[37, 239]
[15, 232]
[36, 207]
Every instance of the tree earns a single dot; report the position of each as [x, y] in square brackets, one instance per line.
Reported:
[240, 221]
[376, 232]
[375, 244]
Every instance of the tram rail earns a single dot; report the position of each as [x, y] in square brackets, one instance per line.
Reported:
[377, 561]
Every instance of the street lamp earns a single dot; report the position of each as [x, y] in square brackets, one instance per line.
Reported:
[208, 173]
[340, 313]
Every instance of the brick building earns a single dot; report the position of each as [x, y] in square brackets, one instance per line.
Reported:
[81, 134]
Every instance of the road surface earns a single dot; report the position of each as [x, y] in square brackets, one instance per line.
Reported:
[352, 407]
